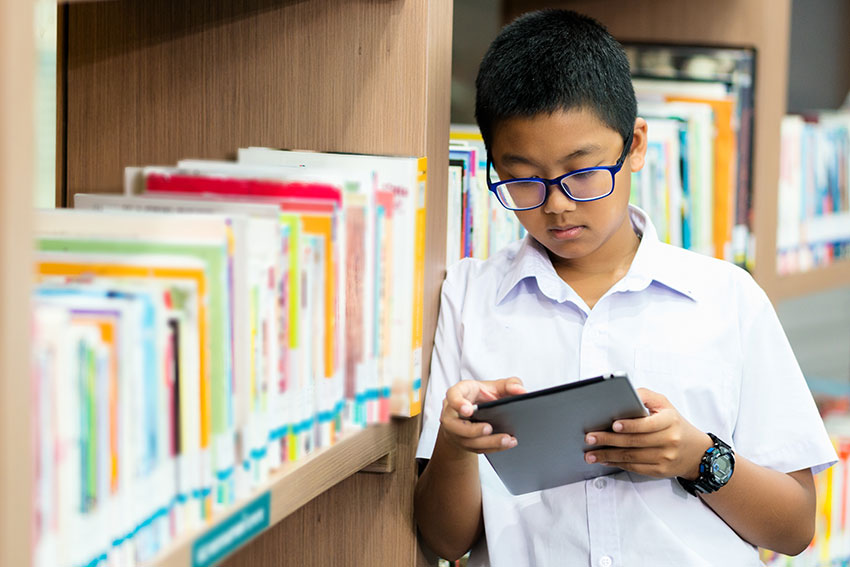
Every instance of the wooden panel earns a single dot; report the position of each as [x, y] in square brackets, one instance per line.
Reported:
[817, 280]
[61, 110]
[153, 82]
[17, 58]
[437, 120]
[156, 81]
[367, 519]
[764, 24]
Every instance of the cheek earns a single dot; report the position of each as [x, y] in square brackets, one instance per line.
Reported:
[528, 219]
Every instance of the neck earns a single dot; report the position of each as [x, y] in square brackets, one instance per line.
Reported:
[594, 274]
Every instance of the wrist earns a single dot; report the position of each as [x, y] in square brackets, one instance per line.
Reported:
[715, 468]
[450, 450]
[698, 449]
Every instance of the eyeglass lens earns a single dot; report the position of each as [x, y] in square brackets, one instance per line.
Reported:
[580, 186]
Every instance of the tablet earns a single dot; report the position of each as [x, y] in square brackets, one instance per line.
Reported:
[550, 426]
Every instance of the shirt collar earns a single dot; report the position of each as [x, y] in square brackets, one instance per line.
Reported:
[652, 263]
[655, 261]
[532, 261]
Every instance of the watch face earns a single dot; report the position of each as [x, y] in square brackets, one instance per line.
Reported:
[721, 468]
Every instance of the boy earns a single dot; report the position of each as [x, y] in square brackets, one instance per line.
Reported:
[589, 291]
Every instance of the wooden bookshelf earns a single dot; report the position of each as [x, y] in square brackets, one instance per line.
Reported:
[290, 488]
[763, 24]
[17, 59]
[157, 81]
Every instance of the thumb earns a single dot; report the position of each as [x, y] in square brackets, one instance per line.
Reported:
[495, 389]
[653, 401]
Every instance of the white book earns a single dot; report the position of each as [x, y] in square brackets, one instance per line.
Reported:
[405, 176]
[256, 256]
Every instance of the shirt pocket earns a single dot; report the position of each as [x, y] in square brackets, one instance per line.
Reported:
[704, 390]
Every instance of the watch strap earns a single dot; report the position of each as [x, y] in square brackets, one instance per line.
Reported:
[706, 482]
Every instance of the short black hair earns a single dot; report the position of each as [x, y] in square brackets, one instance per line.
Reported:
[552, 60]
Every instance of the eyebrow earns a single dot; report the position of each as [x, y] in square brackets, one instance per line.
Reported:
[516, 159]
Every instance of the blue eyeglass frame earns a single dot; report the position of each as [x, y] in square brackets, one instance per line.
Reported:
[612, 169]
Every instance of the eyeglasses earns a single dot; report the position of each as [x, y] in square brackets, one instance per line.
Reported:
[582, 185]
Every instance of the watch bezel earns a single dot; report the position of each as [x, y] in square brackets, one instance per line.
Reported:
[708, 481]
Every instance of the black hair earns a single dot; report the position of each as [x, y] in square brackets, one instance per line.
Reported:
[553, 60]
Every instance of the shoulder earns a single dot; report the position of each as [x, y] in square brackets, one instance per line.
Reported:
[710, 278]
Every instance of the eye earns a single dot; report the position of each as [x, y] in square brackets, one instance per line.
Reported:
[583, 176]
[524, 185]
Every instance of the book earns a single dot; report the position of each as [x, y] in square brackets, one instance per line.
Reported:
[254, 271]
[152, 484]
[489, 226]
[215, 321]
[405, 177]
[205, 237]
[814, 191]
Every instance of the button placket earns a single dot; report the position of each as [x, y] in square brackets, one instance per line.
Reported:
[602, 519]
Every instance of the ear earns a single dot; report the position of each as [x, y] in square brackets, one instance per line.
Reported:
[637, 155]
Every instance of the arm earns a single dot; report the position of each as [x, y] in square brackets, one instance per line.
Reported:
[447, 499]
[765, 507]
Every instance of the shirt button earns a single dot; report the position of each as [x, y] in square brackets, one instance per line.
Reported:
[605, 561]
[600, 483]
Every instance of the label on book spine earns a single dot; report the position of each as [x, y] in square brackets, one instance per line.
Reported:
[232, 533]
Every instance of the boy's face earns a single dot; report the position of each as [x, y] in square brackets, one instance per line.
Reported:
[550, 145]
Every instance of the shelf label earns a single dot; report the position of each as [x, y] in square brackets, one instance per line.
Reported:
[228, 536]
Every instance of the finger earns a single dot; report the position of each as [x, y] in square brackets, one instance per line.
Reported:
[489, 443]
[462, 396]
[649, 424]
[606, 439]
[495, 389]
[619, 457]
[464, 428]
[642, 469]
[653, 400]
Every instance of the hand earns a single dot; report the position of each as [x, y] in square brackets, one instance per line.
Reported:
[662, 445]
[467, 435]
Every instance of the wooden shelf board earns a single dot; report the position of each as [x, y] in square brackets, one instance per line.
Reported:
[17, 79]
[294, 485]
[813, 281]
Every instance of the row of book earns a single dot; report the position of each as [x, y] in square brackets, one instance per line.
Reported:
[695, 184]
[477, 226]
[217, 320]
[813, 227]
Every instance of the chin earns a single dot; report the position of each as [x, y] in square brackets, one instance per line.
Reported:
[564, 251]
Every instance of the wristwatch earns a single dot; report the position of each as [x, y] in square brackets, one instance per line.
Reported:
[715, 469]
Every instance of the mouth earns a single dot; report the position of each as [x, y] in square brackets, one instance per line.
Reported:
[566, 232]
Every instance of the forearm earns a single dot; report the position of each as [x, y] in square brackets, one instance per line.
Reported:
[447, 501]
[767, 508]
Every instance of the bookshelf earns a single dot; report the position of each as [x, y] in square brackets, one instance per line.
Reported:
[294, 485]
[17, 59]
[764, 24]
[154, 82]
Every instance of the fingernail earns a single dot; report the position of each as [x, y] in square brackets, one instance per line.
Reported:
[590, 440]
[466, 409]
[590, 458]
[512, 442]
[618, 426]
[487, 430]
[508, 442]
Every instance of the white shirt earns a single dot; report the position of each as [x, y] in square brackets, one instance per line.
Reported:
[698, 330]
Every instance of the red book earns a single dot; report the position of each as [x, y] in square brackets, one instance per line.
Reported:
[160, 182]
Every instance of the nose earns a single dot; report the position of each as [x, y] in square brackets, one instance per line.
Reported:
[557, 201]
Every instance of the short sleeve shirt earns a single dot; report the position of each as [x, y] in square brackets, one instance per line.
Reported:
[698, 330]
